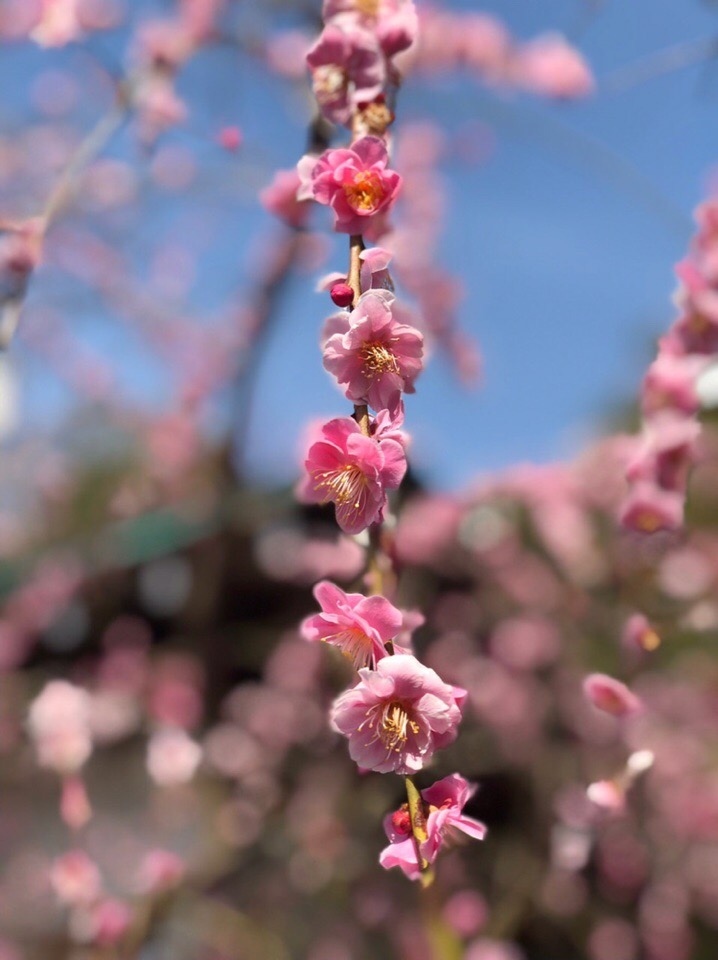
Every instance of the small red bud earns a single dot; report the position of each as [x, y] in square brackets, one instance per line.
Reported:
[401, 820]
[342, 294]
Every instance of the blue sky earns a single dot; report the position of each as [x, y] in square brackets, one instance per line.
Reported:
[565, 238]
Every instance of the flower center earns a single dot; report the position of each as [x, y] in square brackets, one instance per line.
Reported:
[328, 81]
[395, 726]
[648, 521]
[368, 8]
[377, 359]
[355, 645]
[365, 193]
[345, 486]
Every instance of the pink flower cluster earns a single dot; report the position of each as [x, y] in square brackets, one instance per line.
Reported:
[668, 445]
[548, 65]
[398, 712]
[351, 61]
[443, 804]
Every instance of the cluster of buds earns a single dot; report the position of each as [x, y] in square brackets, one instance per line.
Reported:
[352, 61]
[668, 446]
[398, 712]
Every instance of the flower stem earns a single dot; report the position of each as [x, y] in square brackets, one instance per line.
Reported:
[418, 830]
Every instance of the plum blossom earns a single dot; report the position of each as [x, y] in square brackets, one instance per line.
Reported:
[172, 757]
[550, 66]
[59, 23]
[397, 715]
[352, 471]
[347, 69]
[610, 695]
[648, 508]
[59, 724]
[354, 181]
[75, 879]
[394, 22]
[280, 198]
[443, 803]
[359, 626]
[375, 356]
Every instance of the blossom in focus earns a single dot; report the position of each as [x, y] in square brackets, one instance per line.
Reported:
[354, 181]
[372, 354]
[352, 471]
[397, 715]
[359, 626]
[610, 695]
[443, 802]
[347, 69]
[59, 724]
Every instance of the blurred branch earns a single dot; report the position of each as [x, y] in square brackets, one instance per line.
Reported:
[657, 64]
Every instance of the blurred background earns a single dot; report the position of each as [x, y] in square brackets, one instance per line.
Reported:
[184, 797]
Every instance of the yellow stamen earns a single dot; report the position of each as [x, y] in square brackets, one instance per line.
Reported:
[650, 640]
[377, 359]
[366, 192]
[368, 8]
[355, 645]
[395, 726]
[344, 486]
[648, 521]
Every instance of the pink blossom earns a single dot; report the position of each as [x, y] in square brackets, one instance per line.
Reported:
[347, 69]
[610, 695]
[280, 198]
[59, 723]
[159, 871]
[369, 351]
[172, 757]
[670, 383]
[75, 878]
[608, 795]
[358, 625]
[387, 425]
[75, 808]
[59, 23]
[397, 715]
[443, 802]
[354, 181]
[394, 22]
[108, 921]
[374, 271]
[648, 508]
[354, 472]
[639, 634]
[550, 66]
[667, 450]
